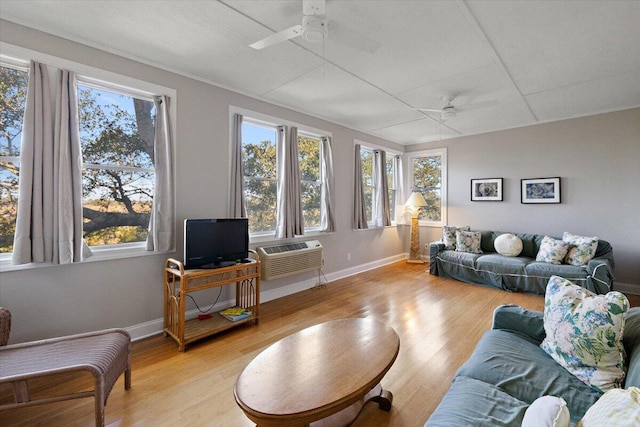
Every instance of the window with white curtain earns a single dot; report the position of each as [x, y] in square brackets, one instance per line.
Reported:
[116, 121]
[367, 162]
[260, 166]
[427, 175]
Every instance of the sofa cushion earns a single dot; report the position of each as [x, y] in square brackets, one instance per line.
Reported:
[504, 265]
[584, 332]
[616, 408]
[471, 402]
[544, 269]
[468, 241]
[552, 251]
[523, 370]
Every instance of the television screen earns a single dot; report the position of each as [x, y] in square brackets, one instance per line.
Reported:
[210, 243]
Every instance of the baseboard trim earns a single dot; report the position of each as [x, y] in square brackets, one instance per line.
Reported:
[627, 288]
[155, 327]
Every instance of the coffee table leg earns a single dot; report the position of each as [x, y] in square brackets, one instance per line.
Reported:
[384, 399]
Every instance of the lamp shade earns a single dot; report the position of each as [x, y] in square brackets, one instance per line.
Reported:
[415, 201]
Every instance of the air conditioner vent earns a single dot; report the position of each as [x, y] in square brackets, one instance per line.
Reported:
[291, 258]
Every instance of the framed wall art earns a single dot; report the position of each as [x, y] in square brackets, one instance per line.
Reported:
[486, 190]
[540, 190]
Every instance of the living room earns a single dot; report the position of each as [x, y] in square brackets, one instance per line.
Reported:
[597, 156]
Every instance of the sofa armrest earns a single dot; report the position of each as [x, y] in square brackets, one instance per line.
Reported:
[524, 322]
[601, 271]
[434, 249]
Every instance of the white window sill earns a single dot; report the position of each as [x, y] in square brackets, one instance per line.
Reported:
[99, 254]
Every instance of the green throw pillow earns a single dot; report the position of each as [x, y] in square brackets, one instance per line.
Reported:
[584, 332]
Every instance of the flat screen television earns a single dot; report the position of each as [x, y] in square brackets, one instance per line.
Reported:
[211, 243]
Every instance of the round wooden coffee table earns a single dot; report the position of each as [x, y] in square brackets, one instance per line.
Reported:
[323, 375]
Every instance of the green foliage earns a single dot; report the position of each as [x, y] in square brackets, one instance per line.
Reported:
[13, 94]
[427, 179]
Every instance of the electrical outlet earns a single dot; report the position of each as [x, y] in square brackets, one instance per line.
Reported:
[348, 256]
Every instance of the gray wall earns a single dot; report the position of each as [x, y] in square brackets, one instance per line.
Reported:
[57, 300]
[598, 159]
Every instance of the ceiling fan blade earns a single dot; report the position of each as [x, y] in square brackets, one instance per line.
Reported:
[348, 37]
[283, 35]
[477, 105]
[429, 110]
[313, 7]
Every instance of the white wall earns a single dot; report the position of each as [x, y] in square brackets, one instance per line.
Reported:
[598, 159]
[57, 300]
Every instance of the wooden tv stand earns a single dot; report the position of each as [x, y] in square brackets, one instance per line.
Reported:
[179, 282]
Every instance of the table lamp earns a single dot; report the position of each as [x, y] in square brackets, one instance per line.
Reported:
[415, 203]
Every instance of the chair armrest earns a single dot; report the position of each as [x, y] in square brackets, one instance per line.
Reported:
[601, 270]
[527, 323]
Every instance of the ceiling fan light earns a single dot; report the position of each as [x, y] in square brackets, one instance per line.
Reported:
[314, 29]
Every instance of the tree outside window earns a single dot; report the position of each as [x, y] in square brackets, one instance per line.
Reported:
[427, 177]
[117, 139]
[13, 94]
[309, 161]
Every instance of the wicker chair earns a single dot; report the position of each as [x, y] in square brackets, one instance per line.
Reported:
[105, 354]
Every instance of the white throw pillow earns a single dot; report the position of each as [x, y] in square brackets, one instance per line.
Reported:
[615, 408]
[508, 245]
[547, 411]
[584, 332]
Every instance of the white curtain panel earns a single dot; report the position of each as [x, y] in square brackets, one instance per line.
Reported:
[68, 243]
[237, 207]
[381, 212]
[34, 224]
[327, 191]
[359, 208]
[161, 236]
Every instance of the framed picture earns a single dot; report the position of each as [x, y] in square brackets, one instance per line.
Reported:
[486, 190]
[540, 190]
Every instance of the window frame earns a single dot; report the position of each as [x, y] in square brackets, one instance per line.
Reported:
[391, 154]
[89, 75]
[261, 119]
[409, 158]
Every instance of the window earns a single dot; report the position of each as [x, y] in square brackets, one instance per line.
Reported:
[259, 160]
[368, 164]
[13, 94]
[117, 140]
[309, 150]
[260, 180]
[428, 176]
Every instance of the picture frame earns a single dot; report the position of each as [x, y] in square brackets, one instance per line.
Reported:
[486, 190]
[540, 190]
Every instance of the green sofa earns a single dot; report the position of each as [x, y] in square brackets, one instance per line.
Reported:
[508, 371]
[521, 273]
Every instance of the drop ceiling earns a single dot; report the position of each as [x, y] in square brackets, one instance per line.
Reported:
[525, 62]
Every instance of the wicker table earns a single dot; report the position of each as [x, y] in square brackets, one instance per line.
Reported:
[322, 375]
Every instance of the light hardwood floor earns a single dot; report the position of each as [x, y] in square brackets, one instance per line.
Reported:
[439, 322]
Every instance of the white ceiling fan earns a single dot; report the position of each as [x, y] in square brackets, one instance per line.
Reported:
[315, 28]
[449, 111]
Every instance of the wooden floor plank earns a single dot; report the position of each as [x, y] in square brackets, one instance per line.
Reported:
[439, 322]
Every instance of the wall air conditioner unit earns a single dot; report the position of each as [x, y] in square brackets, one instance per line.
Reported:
[287, 259]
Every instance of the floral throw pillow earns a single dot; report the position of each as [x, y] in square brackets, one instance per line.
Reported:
[552, 250]
[584, 332]
[449, 236]
[468, 241]
[581, 249]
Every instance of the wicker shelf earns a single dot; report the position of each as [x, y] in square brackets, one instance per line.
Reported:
[179, 282]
